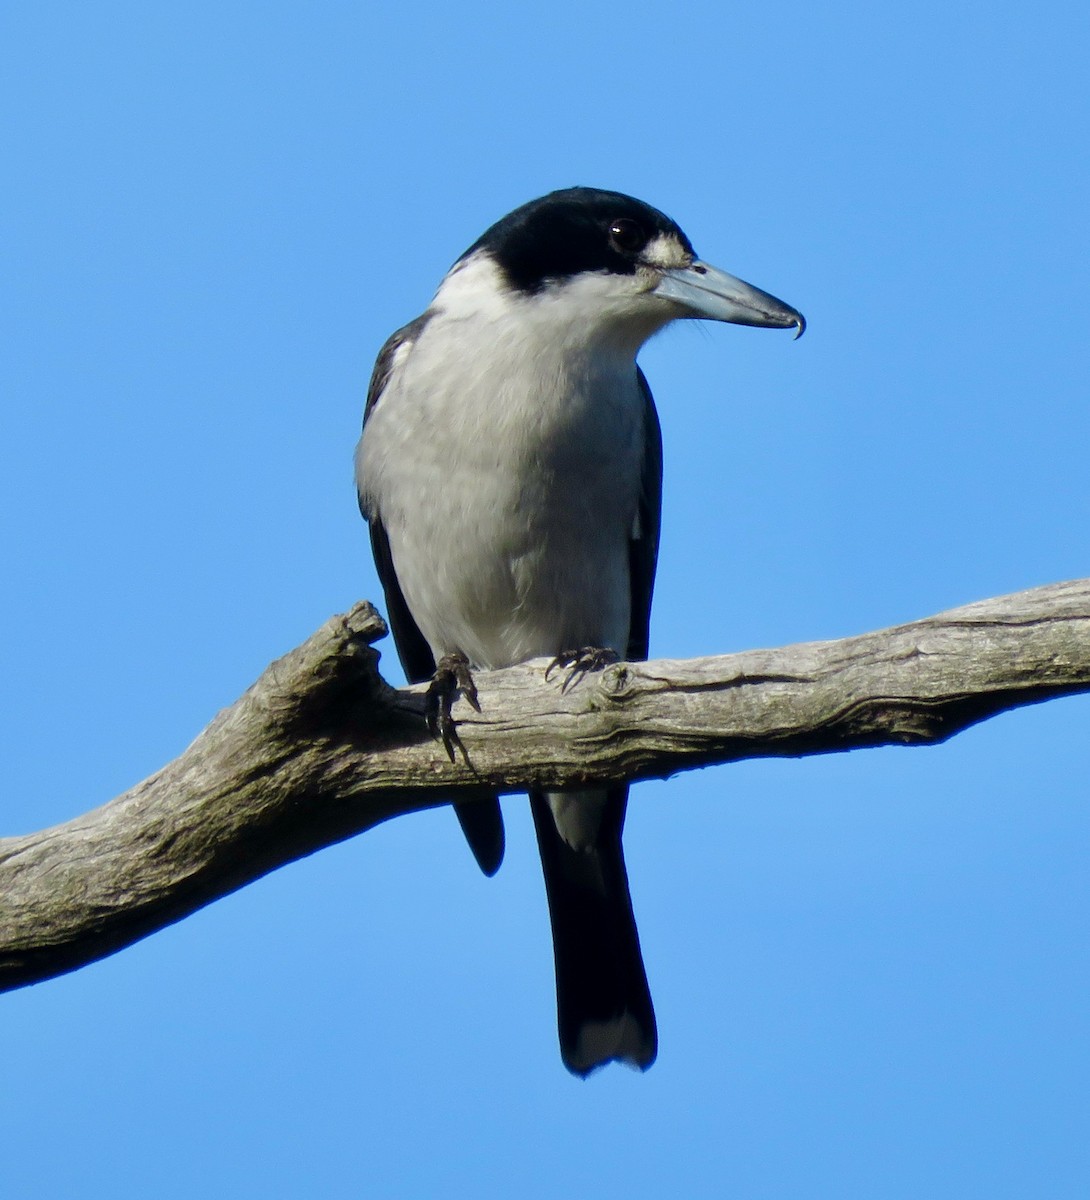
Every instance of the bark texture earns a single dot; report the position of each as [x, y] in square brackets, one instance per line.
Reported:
[321, 748]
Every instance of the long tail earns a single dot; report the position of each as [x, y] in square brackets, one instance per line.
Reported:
[604, 1009]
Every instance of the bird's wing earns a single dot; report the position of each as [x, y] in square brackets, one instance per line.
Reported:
[481, 819]
[384, 364]
[643, 549]
[412, 648]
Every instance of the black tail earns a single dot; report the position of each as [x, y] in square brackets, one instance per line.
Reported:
[603, 1003]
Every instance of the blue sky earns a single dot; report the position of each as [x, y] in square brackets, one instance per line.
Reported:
[871, 971]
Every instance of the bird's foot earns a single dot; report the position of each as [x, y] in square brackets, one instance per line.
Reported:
[581, 662]
[452, 679]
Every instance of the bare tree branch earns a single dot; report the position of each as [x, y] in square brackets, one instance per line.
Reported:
[321, 748]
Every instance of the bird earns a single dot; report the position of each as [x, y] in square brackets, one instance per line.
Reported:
[510, 471]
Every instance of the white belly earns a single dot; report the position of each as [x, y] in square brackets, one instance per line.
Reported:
[509, 496]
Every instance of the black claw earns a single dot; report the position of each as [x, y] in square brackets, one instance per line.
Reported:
[580, 663]
[452, 679]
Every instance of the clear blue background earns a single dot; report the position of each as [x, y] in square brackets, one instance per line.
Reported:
[871, 971]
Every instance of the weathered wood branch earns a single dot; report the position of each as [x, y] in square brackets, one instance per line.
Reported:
[321, 748]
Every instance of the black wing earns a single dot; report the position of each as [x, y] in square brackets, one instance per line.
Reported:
[412, 648]
[481, 820]
[643, 550]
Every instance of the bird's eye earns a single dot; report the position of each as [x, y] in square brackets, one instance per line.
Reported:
[627, 234]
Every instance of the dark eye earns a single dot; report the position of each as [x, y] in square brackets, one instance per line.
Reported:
[627, 234]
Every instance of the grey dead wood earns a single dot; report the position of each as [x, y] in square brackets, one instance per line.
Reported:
[321, 748]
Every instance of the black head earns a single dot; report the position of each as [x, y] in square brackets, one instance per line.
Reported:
[569, 232]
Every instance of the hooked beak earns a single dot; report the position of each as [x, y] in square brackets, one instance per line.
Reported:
[703, 291]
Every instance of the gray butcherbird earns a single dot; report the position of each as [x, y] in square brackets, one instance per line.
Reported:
[510, 469]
